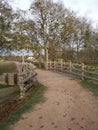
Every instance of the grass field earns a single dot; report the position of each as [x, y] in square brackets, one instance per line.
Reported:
[7, 67]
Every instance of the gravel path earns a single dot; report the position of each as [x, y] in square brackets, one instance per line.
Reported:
[68, 106]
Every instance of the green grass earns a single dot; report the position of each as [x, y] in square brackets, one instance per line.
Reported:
[7, 67]
[34, 97]
[90, 86]
[93, 64]
[2, 86]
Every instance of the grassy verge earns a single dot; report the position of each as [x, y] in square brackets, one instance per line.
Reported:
[5, 86]
[93, 64]
[34, 97]
[91, 86]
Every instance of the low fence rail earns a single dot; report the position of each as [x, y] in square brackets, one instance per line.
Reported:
[25, 78]
[79, 70]
[9, 78]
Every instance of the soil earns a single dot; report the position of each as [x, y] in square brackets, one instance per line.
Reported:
[7, 108]
[68, 106]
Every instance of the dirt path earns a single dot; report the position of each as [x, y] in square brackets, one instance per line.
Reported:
[68, 106]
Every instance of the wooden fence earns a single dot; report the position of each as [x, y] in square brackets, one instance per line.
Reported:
[80, 70]
[25, 78]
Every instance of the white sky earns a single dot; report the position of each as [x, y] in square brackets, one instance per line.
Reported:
[86, 8]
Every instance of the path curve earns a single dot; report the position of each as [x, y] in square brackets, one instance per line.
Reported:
[68, 106]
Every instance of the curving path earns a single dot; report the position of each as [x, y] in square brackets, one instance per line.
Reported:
[68, 106]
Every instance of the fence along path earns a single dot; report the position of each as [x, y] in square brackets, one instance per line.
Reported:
[67, 107]
[80, 70]
[25, 78]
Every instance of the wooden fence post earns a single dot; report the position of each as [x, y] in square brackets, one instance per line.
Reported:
[50, 65]
[53, 65]
[46, 62]
[82, 71]
[56, 65]
[70, 66]
[61, 65]
[7, 79]
[15, 79]
[22, 89]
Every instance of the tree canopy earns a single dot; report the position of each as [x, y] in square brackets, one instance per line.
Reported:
[49, 24]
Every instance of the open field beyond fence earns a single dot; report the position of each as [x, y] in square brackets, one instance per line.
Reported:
[7, 67]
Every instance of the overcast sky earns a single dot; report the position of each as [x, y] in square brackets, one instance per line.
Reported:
[86, 8]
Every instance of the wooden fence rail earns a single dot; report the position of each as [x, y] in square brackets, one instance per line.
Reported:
[79, 70]
[25, 78]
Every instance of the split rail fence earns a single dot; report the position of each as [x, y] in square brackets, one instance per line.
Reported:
[80, 70]
[25, 78]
